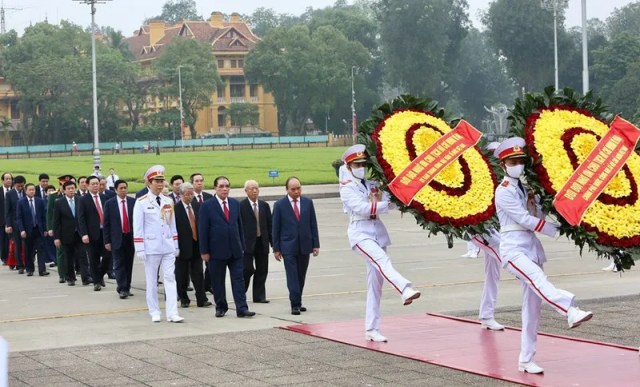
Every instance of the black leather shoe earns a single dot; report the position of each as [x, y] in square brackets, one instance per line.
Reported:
[123, 295]
[210, 290]
[53, 264]
[295, 311]
[102, 284]
[62, 280]
[29, 274]
[261, 302]
[184, 304]
[71, 283]
[12, 267]
[129, 294]
[220, 313]
[189, 289]
[303, 308]
[97, 287]
[21, 271]
[86, 283]
[205, 304]
[44, 273]
[246, 313]
[111, 276]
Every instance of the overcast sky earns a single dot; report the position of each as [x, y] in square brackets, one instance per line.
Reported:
[127, 15]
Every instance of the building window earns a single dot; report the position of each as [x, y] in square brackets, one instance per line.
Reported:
[240, 63]
[233, 63]
[220, 63]
[15, 111]
[237, 86]
[253, 90]
[221, 117]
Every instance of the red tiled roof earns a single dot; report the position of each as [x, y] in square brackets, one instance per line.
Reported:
[233, 37]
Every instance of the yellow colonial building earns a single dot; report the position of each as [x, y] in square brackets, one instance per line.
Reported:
[230, 40]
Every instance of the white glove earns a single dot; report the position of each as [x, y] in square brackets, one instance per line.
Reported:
[177, 252]
[140, 255]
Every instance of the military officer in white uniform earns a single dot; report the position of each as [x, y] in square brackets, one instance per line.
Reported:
[368, 236]
[522, 253]
[489, 243]
[156, 243]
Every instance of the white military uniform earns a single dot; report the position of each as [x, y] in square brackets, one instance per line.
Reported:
[489, 243]
[368, 236]
[523, 256]
[155, 235]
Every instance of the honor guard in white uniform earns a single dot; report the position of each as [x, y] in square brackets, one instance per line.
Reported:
[156, 243]
[522, 253]
[367, 235]
[489, 243]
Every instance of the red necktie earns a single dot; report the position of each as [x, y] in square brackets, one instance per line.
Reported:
[125, 218]
[98, 207]
[200, 198]
[226, 210]
[296, 210]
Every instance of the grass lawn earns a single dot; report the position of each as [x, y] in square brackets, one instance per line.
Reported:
[311, 165]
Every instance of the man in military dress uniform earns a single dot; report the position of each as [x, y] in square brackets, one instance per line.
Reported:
[522, 253]
[367, 235]
[156, 243]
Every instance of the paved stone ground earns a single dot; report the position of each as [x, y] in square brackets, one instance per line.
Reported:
[274, 357]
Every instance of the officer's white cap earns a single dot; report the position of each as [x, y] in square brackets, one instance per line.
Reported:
[354, 153]
[154, 173]
[511, 147]
[492, 146]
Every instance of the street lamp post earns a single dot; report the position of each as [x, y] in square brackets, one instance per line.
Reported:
[354, 120]
[181, 111]
[585, 52]
[96, 139]
[553, 5]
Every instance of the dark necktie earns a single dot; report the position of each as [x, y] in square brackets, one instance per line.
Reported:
[33, 212]
[158, 200]
[521, 187]
[200, 198]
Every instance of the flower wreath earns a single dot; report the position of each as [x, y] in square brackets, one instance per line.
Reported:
[560, 131]
[460, 198]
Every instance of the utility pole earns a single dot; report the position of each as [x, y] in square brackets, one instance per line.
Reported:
[354, 120]
[181, 109]
[3, 22]
[585, 52]
[96, 139]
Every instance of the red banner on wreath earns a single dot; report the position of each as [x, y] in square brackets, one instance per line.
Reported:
[439, 155]
[596, 171]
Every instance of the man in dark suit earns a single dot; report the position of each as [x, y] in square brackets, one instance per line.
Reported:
[256, 220]
[189, 262]
[31, 225]
[66, 235]
[82, 186]
[295, 236]
[90, 223]
[198, 188]
[51, 200]
[41, 188]
[176, 181]
[222, 245]
[10, 207]
[108, 194]
[197, 180]
[7, 181]
[118, 236]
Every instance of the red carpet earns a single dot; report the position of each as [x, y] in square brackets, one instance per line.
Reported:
[461, 344]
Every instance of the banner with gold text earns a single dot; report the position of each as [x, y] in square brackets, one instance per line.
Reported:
[592, 176]
[427, 165]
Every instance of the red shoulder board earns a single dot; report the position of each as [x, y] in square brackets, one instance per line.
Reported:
[505, 183]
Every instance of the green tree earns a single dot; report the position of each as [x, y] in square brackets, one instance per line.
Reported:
[174, 11]
[624, 97]
[307, 72]
[243, 114]
[611, 63]
[522, 31]
[419, 39]
[483, 79]
[624, 20]
[198, 73]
